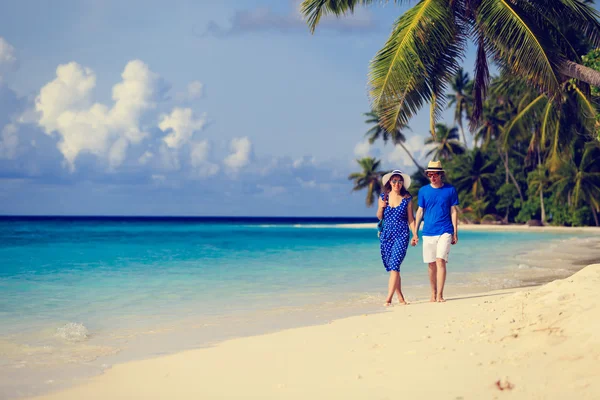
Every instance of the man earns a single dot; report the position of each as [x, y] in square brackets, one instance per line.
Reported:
[438, 206]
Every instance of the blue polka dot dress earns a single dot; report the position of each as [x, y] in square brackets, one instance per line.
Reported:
[395, 235]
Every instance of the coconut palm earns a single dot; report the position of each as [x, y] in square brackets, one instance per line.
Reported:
[559, 120]
[577, 181]
[446, 141]
[397, 137]
[460, 98]
[369, 178]
[475, 174]
[539, 181]
[427, 42]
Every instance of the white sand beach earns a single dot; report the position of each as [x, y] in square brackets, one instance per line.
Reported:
[532, 343]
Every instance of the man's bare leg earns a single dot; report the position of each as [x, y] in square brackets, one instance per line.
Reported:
[441, 279]
[399, 291]
[433, 281]
[391, 287]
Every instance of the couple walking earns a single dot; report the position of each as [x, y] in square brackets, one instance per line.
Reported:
[438, 203]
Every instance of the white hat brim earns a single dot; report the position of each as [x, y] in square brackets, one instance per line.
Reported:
[405, 178]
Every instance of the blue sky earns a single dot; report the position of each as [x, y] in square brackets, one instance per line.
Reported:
[187, 108]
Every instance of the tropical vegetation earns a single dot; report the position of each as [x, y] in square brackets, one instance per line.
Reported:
[532, 152]
[528, 159]
[538, 41]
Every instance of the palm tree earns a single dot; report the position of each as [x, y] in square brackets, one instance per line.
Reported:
[461, 85]
[369, 178]
[539, 181]
[474, 174]
[378, 131]
[494, 118]
[578, 180]
[447, 143]
[428, 41]
[559, 119]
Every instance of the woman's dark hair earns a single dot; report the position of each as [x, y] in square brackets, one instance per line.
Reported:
[388, 186]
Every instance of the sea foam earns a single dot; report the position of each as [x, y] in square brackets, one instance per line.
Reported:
[73, 332]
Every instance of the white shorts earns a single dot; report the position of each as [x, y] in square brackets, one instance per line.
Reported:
[436, 247]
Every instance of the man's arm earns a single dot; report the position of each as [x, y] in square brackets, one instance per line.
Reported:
[418, 219]
[454, 215]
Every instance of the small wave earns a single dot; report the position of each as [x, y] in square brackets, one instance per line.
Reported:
[73, 332]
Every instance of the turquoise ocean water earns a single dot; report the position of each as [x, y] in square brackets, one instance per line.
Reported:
[79, 294]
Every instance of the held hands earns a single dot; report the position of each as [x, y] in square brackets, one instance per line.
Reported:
[414, 241]
[454, 238]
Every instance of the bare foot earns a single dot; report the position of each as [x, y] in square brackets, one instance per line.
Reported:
[441, 300]
[433, 299]
[387, 304]
[402, 301]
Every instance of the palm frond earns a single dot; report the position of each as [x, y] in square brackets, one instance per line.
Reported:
[519, 45]
[425, 38]
[481, 82]
[522, 114]
[314, 10]
[581, 16]
[546, 123]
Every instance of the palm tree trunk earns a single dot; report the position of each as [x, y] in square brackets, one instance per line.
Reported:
[542, 205]
[411, 157]
[462, 131]
[581, 72]
[512, 177]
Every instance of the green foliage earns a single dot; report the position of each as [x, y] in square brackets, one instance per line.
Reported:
[369, 178]
[533, 39]
[508, 201]
[592, 60]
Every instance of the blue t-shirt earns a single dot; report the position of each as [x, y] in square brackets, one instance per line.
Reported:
[436, 205]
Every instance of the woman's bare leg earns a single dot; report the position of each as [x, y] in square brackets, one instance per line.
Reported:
[391, 286]
[399, 290]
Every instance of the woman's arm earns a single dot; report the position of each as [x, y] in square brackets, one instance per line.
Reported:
[415, 227]
[380, 208]
[411, 219]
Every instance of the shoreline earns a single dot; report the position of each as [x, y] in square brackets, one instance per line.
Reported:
[510, 228]
[265, 322]
[476, 346]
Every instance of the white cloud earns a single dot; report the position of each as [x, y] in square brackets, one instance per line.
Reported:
[117, 152]
[7, 52]
[362, 149]
[195, 90]
[70, 91]
[198, 152]
[64, 108]
[144, 158]
[182, 124]
[9, 142]
[304, 161]
[262, 19]
[241, 151]
[415, 145]
[8, 61]
[199, 159]
[312, 184]
[169, 158]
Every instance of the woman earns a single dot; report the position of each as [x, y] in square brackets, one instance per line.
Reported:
[395, 208]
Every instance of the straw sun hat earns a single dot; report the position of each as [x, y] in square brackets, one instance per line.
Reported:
[434, 166]
[405, 178]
